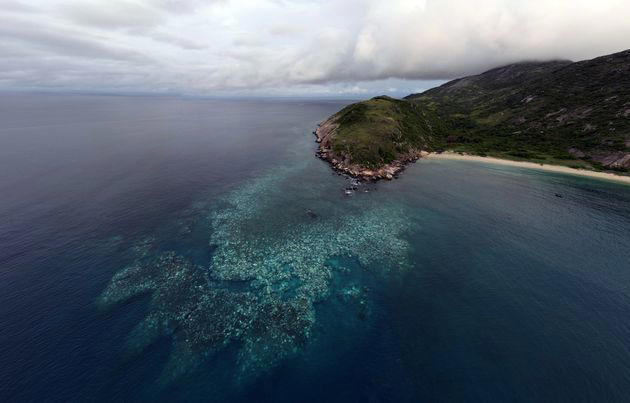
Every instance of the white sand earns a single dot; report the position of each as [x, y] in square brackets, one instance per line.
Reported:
[533, 165]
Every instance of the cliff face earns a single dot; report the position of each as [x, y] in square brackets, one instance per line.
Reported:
[555, 112]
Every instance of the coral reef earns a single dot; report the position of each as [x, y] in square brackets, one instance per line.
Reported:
[268, 271]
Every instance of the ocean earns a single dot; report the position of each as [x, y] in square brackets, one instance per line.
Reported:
[186, 249]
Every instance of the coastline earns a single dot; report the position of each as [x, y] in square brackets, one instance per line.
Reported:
[447, 155]
[326, 130]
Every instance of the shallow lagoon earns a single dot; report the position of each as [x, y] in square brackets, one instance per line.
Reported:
[170, 248]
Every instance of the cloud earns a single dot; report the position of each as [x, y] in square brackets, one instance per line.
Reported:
[14, 6]
[286, 30]
[66, 43]
[176, 40]
[114, 15]
[320, 46]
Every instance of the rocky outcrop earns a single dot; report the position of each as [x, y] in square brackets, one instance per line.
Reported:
[611, 160]
[343, 165]
[617, 160]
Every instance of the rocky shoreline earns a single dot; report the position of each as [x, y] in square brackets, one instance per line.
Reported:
[341, 164]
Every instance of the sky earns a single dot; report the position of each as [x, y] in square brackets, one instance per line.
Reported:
[353, 48]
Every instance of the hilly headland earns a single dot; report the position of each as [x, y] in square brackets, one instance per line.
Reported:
[572, 114]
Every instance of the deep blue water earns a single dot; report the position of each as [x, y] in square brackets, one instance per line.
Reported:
[190, 249]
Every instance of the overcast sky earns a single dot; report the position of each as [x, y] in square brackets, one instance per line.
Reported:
[291, 47]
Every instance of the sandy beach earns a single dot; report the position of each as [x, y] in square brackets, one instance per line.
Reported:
[532, 165]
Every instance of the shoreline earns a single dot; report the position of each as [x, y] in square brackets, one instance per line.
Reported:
[447, 155]
[325, 131]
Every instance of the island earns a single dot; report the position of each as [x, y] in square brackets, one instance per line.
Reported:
[571, 114]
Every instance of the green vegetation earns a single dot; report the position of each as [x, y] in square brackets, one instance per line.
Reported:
[377, 131]
[574, 114]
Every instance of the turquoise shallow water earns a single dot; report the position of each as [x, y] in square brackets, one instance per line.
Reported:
[178, 249]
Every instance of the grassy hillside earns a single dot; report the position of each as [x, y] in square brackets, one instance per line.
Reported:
[375, 132]
[576, 114]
